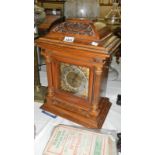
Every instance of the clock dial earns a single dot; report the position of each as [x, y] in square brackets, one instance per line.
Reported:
[74, 79]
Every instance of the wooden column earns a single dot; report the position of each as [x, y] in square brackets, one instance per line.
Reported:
[96, 90]
[48, 61]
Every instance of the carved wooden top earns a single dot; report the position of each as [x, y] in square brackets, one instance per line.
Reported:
[87, 35]
[75, 28]
[81, 29]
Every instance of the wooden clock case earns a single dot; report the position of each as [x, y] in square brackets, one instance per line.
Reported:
[92, 48]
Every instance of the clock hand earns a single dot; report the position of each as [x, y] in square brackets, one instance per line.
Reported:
[74, 78]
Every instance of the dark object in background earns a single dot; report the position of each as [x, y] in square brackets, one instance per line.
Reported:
[48, 23]
[119, 142]
[118, 99]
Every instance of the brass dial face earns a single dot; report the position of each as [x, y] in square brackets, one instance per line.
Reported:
[74, 79]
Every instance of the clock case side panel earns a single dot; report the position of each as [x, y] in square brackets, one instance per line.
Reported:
[103, 85]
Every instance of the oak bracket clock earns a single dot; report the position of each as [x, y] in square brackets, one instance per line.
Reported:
[78, 54]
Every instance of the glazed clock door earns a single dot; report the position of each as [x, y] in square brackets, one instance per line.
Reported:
[74, 79]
